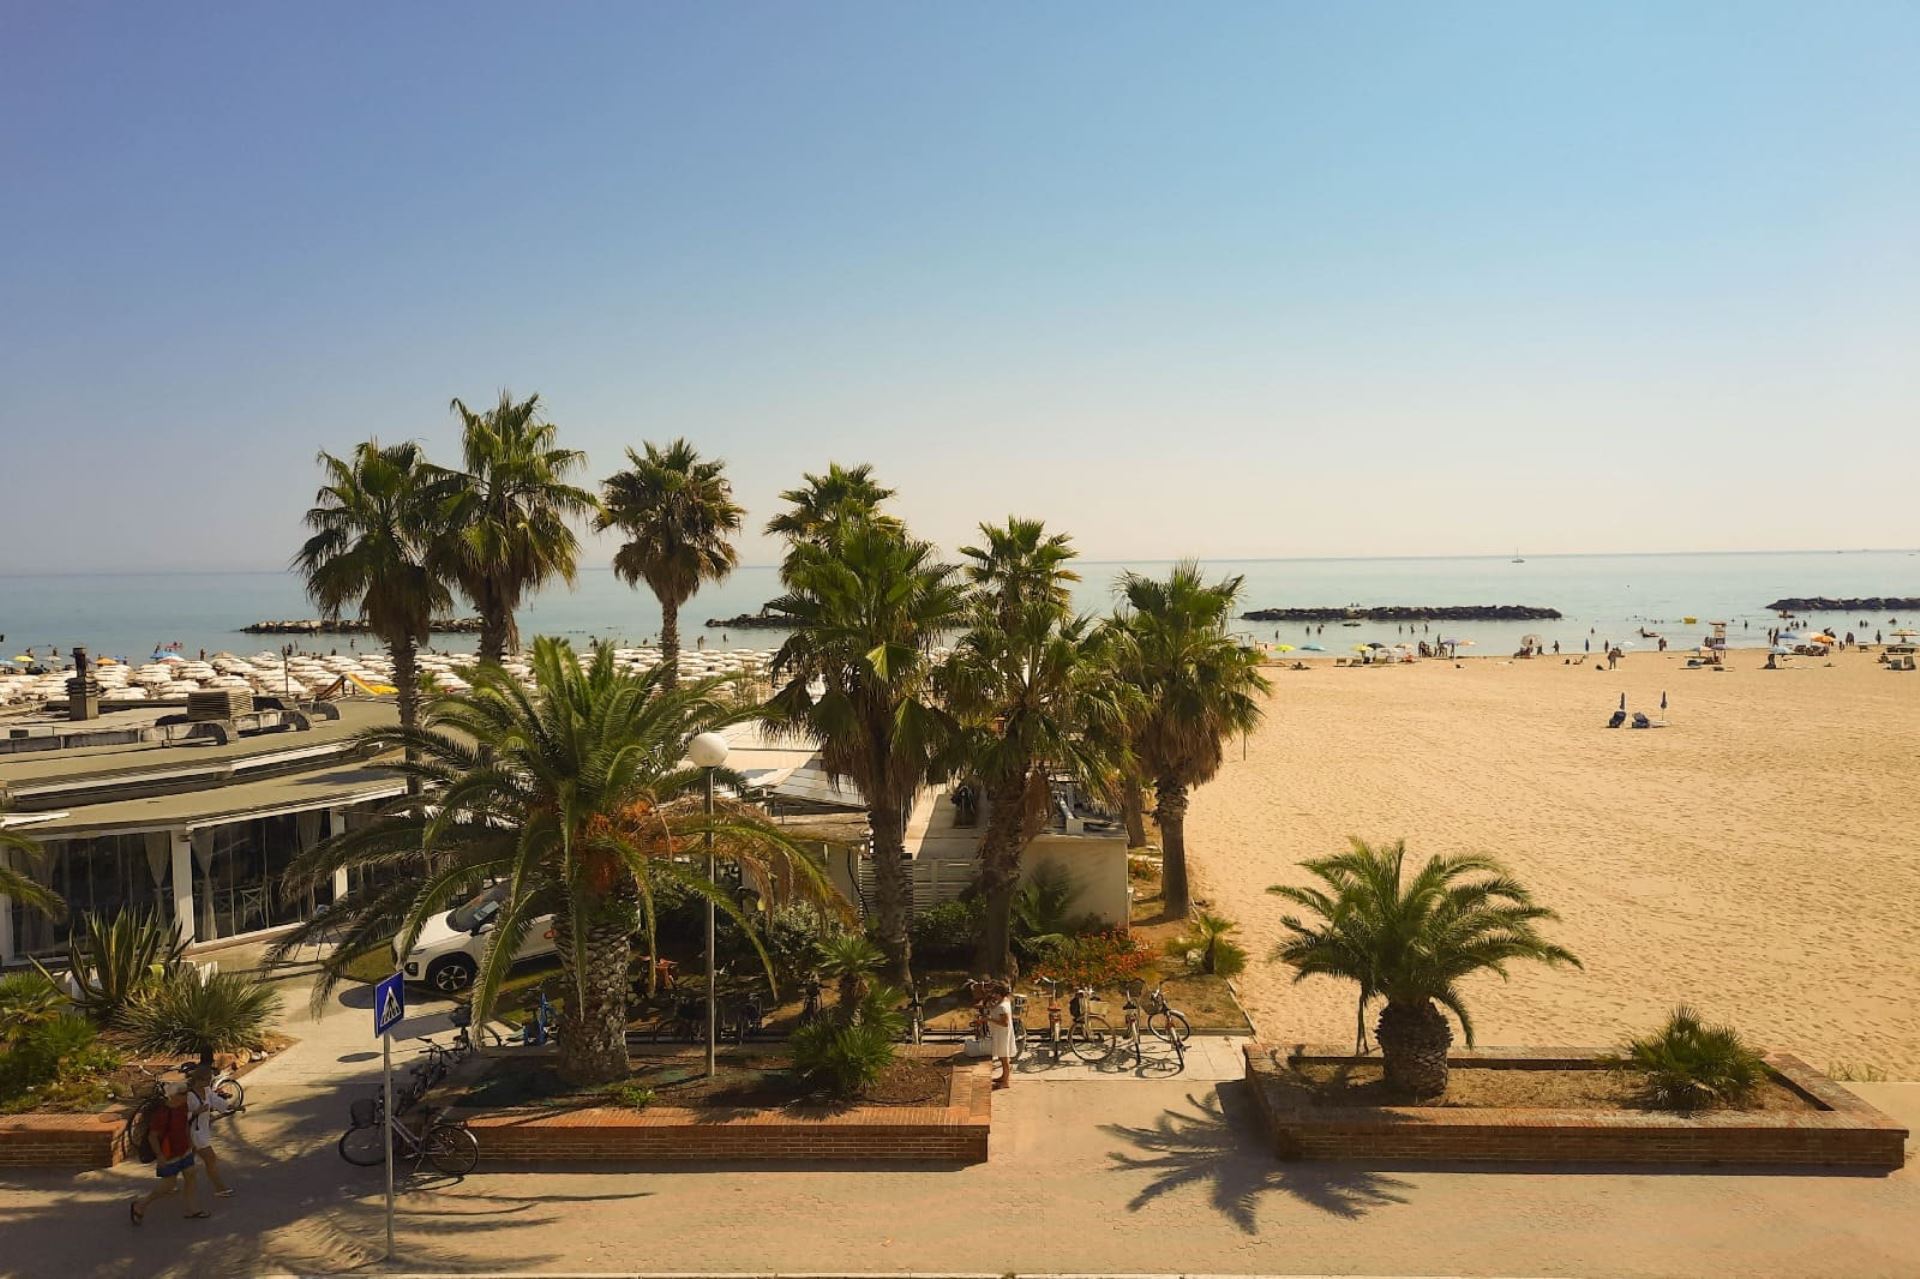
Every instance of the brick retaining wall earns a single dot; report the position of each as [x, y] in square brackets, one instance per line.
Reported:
[62, 1141]
[954, 1133]
[1843, 1131]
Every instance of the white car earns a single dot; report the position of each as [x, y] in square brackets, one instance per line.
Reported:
[447, 954]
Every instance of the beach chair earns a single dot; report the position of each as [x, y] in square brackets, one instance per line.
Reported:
[1616, 719]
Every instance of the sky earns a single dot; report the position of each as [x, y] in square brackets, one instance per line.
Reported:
[1234, 280]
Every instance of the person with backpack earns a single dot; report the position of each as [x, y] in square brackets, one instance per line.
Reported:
[169, 1139]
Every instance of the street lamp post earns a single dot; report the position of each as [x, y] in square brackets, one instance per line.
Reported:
[709, 751]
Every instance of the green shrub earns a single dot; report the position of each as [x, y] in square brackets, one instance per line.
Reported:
[28, 999]
[1040, 908]
[850, 959]
[192, 1013]
[627, 1093]
[115, 960]
[843, 1058]
[1688, 1065]
[1207, 946]
[949, 932]
[794, 936]
[55, 1064]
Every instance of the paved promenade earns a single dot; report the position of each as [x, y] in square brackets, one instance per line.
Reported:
[1109, 1174]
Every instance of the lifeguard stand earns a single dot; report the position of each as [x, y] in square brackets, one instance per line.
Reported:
[1718, 642]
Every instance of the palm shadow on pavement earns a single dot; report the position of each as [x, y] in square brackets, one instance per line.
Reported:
[1220, 1144]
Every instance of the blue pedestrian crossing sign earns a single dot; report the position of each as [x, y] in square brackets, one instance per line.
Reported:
[389, 1005]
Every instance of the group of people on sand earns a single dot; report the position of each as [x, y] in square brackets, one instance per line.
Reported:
[179, 1136]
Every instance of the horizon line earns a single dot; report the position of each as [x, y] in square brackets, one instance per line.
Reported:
[1103, 563]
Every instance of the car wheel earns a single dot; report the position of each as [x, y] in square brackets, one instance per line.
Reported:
[452, 974]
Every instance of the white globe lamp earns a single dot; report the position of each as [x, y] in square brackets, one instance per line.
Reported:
[707, 750]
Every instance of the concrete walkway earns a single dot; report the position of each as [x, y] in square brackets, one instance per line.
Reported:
[1088, 1176]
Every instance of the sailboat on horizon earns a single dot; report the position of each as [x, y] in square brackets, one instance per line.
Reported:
[1516, 556]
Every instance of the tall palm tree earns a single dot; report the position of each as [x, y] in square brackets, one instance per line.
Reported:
[867, 609]
[1410, 941]
[678, 514]
[510, 506]
[1035, 700]
[1200, 685]
[576, 797]
[1019, 562]
[378, 546]
[823, 501]
[17, 883]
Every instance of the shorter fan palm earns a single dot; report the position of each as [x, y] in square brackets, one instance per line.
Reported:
[850, 960]
[195, 1012]
[1689, 1065]
[1410, 940]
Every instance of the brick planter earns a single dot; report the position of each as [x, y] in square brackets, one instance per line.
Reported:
[62, 1141]
[1841, 1130]
[953, 1133]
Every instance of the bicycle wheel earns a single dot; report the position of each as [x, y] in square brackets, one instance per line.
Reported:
[452, 1149]
[361, 1146]
[1091, 1040]
[1170, 1027]
[231, 1092]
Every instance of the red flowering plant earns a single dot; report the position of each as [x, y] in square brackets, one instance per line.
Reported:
[1103, 959]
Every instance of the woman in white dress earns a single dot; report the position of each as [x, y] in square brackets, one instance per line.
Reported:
[1000, 1039]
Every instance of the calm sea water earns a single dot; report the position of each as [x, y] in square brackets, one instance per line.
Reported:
[1603, 597]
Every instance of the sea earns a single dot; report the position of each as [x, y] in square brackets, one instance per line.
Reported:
[1603, 598]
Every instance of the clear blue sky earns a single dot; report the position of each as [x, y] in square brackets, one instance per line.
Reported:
[1228, 280]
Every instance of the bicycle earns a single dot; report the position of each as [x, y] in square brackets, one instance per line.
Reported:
[449, 1147]
[685, 1018]
[811, 1006]
[1054, 1026]
[1165, 1021]
[1088, 1033]
[916, 1015]
[464, 1042]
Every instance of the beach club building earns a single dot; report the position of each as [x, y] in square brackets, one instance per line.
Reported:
[142, 808]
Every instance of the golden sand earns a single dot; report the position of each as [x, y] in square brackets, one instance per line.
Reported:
[1759, 858]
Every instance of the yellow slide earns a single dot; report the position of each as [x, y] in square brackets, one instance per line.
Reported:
[378, 690]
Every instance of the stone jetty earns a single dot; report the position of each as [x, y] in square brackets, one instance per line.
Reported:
[1859, 604]
[354, 626]
[1407, 613]
[764, 620]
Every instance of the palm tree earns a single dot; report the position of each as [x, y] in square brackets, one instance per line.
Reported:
[576, 797]
[867, 608]
[1200, 687]
[677, 511]
[1031, 689]
[510, 507]
[823, 501]
[379, 545]
[1410, 941]
[17, 883]
[1019, 562]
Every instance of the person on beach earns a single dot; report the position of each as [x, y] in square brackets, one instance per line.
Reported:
[1613, 658]
[1000, 1039]
[169, 1135]
[203, 1106]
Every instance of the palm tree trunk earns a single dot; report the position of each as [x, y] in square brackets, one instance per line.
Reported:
[892, 888]
[406, 683]
[1000, 878]
[1133, 811]
[670, 642]
[592, 1029]
[1170, 798]
[496, 630]
[1413, 1048]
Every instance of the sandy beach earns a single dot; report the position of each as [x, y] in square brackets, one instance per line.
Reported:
[1759, 858]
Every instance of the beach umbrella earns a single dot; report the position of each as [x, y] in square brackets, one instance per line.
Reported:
[1623, 701]
[1283, 648]
[1359, 648]
[1906, 632]
[1312, 648]
[1663, 699]
[1780, 650]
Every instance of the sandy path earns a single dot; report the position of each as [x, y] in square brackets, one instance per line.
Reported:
[1760, 858]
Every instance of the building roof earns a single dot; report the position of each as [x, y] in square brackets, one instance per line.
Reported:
[267, 797]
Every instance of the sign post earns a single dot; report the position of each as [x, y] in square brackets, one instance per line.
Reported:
[389, 1007]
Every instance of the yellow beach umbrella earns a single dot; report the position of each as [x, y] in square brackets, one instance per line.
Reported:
[1283, 648]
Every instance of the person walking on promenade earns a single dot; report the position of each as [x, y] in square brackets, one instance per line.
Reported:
[169, 1136]
[203, 1106]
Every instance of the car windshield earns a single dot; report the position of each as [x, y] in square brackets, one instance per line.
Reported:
[476, 911]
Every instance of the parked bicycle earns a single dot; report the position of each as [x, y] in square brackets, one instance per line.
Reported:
[1165, 1021]
[450, 1147]
[916, 1014]
[811, 1005]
